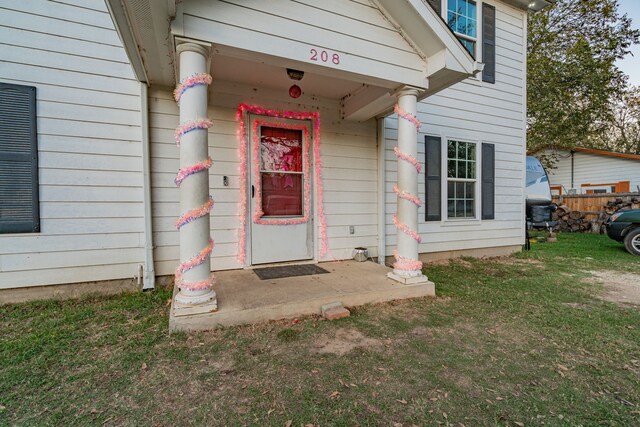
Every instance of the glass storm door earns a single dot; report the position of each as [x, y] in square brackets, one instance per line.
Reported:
[280, 191]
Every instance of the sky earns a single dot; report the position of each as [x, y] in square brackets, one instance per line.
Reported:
[631, 63]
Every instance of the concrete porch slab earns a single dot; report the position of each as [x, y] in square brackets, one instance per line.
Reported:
[243, 298]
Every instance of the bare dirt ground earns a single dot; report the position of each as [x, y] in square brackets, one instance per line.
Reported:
[623, 288]
[344, 341]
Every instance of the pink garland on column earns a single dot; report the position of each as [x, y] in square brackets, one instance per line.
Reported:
[190, 126]
[406, 229]
[194, 214]
[202, 79]
[403, 263]
[407, 196]
[408, 158]
[190, 170]
[407, 116]
[195, 261]
[187, 217]
[242, 151]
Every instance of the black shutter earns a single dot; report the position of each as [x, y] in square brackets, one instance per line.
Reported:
[19, 211]
[488, 181]
[436, 5]
[433, 180]
[489, 43]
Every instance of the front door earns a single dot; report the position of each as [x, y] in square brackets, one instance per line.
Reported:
[280, 188]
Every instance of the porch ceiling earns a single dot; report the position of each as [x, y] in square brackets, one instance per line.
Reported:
[260, 74]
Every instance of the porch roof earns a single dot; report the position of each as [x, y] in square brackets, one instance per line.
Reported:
[418, 48]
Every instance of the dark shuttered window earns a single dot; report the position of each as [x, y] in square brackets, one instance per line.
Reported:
[18, 160]
[436, 5]
[433, 178]
[489, 43]
[488, 181]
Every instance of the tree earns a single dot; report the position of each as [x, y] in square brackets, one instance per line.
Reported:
[572, 75]
[622, 133]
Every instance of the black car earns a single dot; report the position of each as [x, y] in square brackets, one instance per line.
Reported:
[625, 227]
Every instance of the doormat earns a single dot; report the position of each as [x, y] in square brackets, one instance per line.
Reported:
[267, 273]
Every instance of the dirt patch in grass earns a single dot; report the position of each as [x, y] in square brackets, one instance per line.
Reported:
[622, 288]
[343, 342]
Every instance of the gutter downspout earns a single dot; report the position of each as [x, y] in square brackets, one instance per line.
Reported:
[572, 162]
[149, 271]
[382, 229]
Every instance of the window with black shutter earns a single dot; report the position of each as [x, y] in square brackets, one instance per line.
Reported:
[488, 181]
[433, 190]
[19, 211]
[489, 43]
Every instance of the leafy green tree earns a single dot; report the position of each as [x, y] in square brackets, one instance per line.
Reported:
[572, 75]
[622, 132]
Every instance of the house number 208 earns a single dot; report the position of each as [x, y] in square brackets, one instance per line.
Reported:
[323, 56]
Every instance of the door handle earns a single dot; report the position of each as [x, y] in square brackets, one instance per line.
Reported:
[253, 191]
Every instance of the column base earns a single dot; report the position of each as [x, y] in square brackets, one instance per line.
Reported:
[409, 280]
[209, 298]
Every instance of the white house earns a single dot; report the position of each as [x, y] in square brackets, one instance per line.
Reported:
[88, 154]
[587, 170]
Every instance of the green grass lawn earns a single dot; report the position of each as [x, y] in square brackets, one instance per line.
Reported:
[519, 341]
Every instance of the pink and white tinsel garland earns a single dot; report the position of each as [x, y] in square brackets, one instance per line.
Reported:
[407, 116]
[184, 173]
[403, 263]
[406, 229]
[257, 215]
[202, 79]
[242, 151]
[408, 158]
[190, 126]
[193, 262]
[194, 214]
[190, 170]
[407, 196]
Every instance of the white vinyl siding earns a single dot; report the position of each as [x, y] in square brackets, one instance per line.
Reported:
[349, 157]
[88, 109]
[484, 113]
[367, 43]
[593, 169]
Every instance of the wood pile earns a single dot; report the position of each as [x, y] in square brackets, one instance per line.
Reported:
[569, 220]
[619, 203]
[577, 221]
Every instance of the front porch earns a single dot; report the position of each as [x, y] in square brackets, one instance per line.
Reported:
[244, 298]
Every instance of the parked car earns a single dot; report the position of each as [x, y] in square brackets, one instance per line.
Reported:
[624, 226]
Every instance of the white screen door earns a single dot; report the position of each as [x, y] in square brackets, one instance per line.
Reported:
[280, 190]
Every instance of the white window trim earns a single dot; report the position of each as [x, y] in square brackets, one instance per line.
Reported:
[444, 190]
[478, 37]
[444, 11]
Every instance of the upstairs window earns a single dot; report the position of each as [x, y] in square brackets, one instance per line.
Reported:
[462, 17]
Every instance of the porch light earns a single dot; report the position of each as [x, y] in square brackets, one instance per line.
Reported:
[295, 74]
[295, 91]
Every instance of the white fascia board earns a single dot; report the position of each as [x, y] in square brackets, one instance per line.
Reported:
[122, 24]
[444, 33]
[429, 35]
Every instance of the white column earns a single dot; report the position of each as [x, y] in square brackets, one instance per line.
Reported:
[407, 212]
[407, 178]
[194, 190]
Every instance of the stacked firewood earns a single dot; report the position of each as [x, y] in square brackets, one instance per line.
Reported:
[569, 220]
[577, 221]
[619, 203]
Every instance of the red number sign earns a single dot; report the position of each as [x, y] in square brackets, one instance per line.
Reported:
[324, 56]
